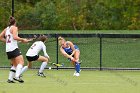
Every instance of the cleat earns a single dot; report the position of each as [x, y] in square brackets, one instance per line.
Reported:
[41, 74]
[19, 80]
[20, 75]
[76, 74]
[10, 81]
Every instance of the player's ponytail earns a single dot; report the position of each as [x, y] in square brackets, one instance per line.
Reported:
[12, 21]
[42, 38]
[60, 39]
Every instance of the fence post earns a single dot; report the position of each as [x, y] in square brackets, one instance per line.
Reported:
[100, 36]
[57, 49]
[13, 8]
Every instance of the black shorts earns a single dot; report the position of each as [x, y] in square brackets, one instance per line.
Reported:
[13, 54]
[34, 58]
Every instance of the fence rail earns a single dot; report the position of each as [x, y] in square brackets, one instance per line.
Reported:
[85, 35]
[109, 51]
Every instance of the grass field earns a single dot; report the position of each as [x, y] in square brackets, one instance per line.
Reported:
[62, 81]
[119, 52]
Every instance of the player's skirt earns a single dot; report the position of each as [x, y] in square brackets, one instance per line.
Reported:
[13, 54]
[32, 58]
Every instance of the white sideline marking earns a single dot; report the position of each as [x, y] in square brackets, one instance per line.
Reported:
[3, 81]
[98, 84]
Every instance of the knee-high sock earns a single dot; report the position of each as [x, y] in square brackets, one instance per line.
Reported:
[25, 68]
[42, 67]
[12, 73]
[18, 70]
[77, 67]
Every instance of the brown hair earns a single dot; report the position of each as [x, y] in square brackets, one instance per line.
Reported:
[12, 21]
[42, 38]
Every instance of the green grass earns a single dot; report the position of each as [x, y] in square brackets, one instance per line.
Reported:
[62, 81]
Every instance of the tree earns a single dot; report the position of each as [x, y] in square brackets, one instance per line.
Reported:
[73, 14]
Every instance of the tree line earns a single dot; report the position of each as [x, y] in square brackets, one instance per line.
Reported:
[73, 14]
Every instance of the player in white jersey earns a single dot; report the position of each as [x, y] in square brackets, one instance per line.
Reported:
[33, 55]
[10, 36]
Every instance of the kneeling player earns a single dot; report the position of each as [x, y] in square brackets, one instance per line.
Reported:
[32, 55]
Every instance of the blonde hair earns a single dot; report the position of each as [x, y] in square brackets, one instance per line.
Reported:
[60, 39]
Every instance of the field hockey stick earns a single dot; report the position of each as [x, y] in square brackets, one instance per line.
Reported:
[58, 65]
[34, 38]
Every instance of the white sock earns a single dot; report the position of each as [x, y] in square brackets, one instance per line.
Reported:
[12, 73]
[18, 70]
[25, 68]
[42, 67]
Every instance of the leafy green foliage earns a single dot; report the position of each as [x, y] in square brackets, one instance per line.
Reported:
[73, 14]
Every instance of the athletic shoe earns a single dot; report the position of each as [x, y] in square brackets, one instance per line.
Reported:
[77, 74]
[10, 81]
[74, 74]
[20, 75]
[19, 80]
[41, 74]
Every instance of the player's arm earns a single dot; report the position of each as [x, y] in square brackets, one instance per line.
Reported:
[44, 51]
[65, 54]
[2, 34]
[72, 47]
[15, 35]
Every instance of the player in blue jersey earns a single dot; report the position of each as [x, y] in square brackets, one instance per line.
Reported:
[72, 52]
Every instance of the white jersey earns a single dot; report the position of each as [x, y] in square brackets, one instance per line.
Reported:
[11, 44]
[36, 48]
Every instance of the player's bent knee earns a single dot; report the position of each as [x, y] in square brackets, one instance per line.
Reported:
[76, 59]
[43, 59]
[46, 60]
